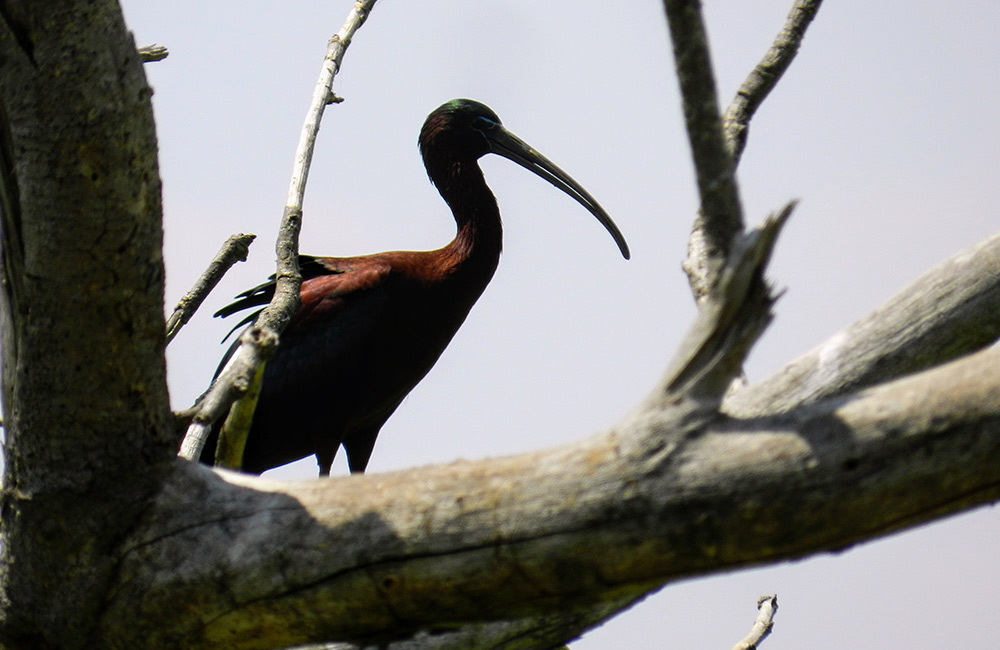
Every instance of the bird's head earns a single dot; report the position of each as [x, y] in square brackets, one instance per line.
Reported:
[461, 131]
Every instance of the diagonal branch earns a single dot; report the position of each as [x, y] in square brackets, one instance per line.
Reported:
[765, 76]
[235, 249]
[235, 380]
[951, 310]
[286, 296]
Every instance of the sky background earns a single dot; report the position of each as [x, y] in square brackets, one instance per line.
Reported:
[884, 128]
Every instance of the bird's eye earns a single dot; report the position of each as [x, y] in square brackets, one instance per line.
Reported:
[485, 123]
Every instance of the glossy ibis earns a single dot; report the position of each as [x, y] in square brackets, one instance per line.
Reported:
[370, 327]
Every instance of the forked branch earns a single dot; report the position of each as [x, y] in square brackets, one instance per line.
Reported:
[484, 541]
[717, 143]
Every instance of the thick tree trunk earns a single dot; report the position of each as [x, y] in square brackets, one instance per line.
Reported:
[85, 401]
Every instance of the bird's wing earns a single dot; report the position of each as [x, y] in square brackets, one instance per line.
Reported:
[323, 294]
[325, 281]
[309, 266]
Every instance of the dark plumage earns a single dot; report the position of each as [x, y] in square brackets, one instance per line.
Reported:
[370, 327]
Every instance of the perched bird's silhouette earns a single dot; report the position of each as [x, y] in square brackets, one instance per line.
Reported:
[370, 327]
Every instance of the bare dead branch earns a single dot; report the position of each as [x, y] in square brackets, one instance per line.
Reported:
[152, 53]
[765, 75]
[234, 250]
[951, 310]
[720, 217]
[767, 607]
[286, 297]
[385, 556]
[729, 321]
[716, 144]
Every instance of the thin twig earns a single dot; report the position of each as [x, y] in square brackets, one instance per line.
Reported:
[151, 53]
[236, 249]
[767, 607]
[766, 74]
[276, 315]
[720, 218]
[286, 296]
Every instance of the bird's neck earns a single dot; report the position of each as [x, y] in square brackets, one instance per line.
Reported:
[479, 240]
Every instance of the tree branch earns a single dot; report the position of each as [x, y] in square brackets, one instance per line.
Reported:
[234, 250]
[229, 451]
[258, 345]
[242, 562]
[765, 76]
[730, 320]
[720, 217]
[286, 297]
[717, 144]
[951, 310]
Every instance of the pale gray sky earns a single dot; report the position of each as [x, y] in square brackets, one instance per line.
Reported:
[884, 128]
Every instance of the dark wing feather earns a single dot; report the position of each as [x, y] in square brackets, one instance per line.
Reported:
[310, 267]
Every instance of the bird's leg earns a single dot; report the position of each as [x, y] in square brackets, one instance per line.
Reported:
[325, 453]
[325, 462]
[359, 444]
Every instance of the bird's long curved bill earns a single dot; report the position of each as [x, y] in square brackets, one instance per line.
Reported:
[506, 144]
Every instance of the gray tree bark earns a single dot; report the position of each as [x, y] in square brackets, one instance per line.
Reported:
[109, 541]
[84, 387]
